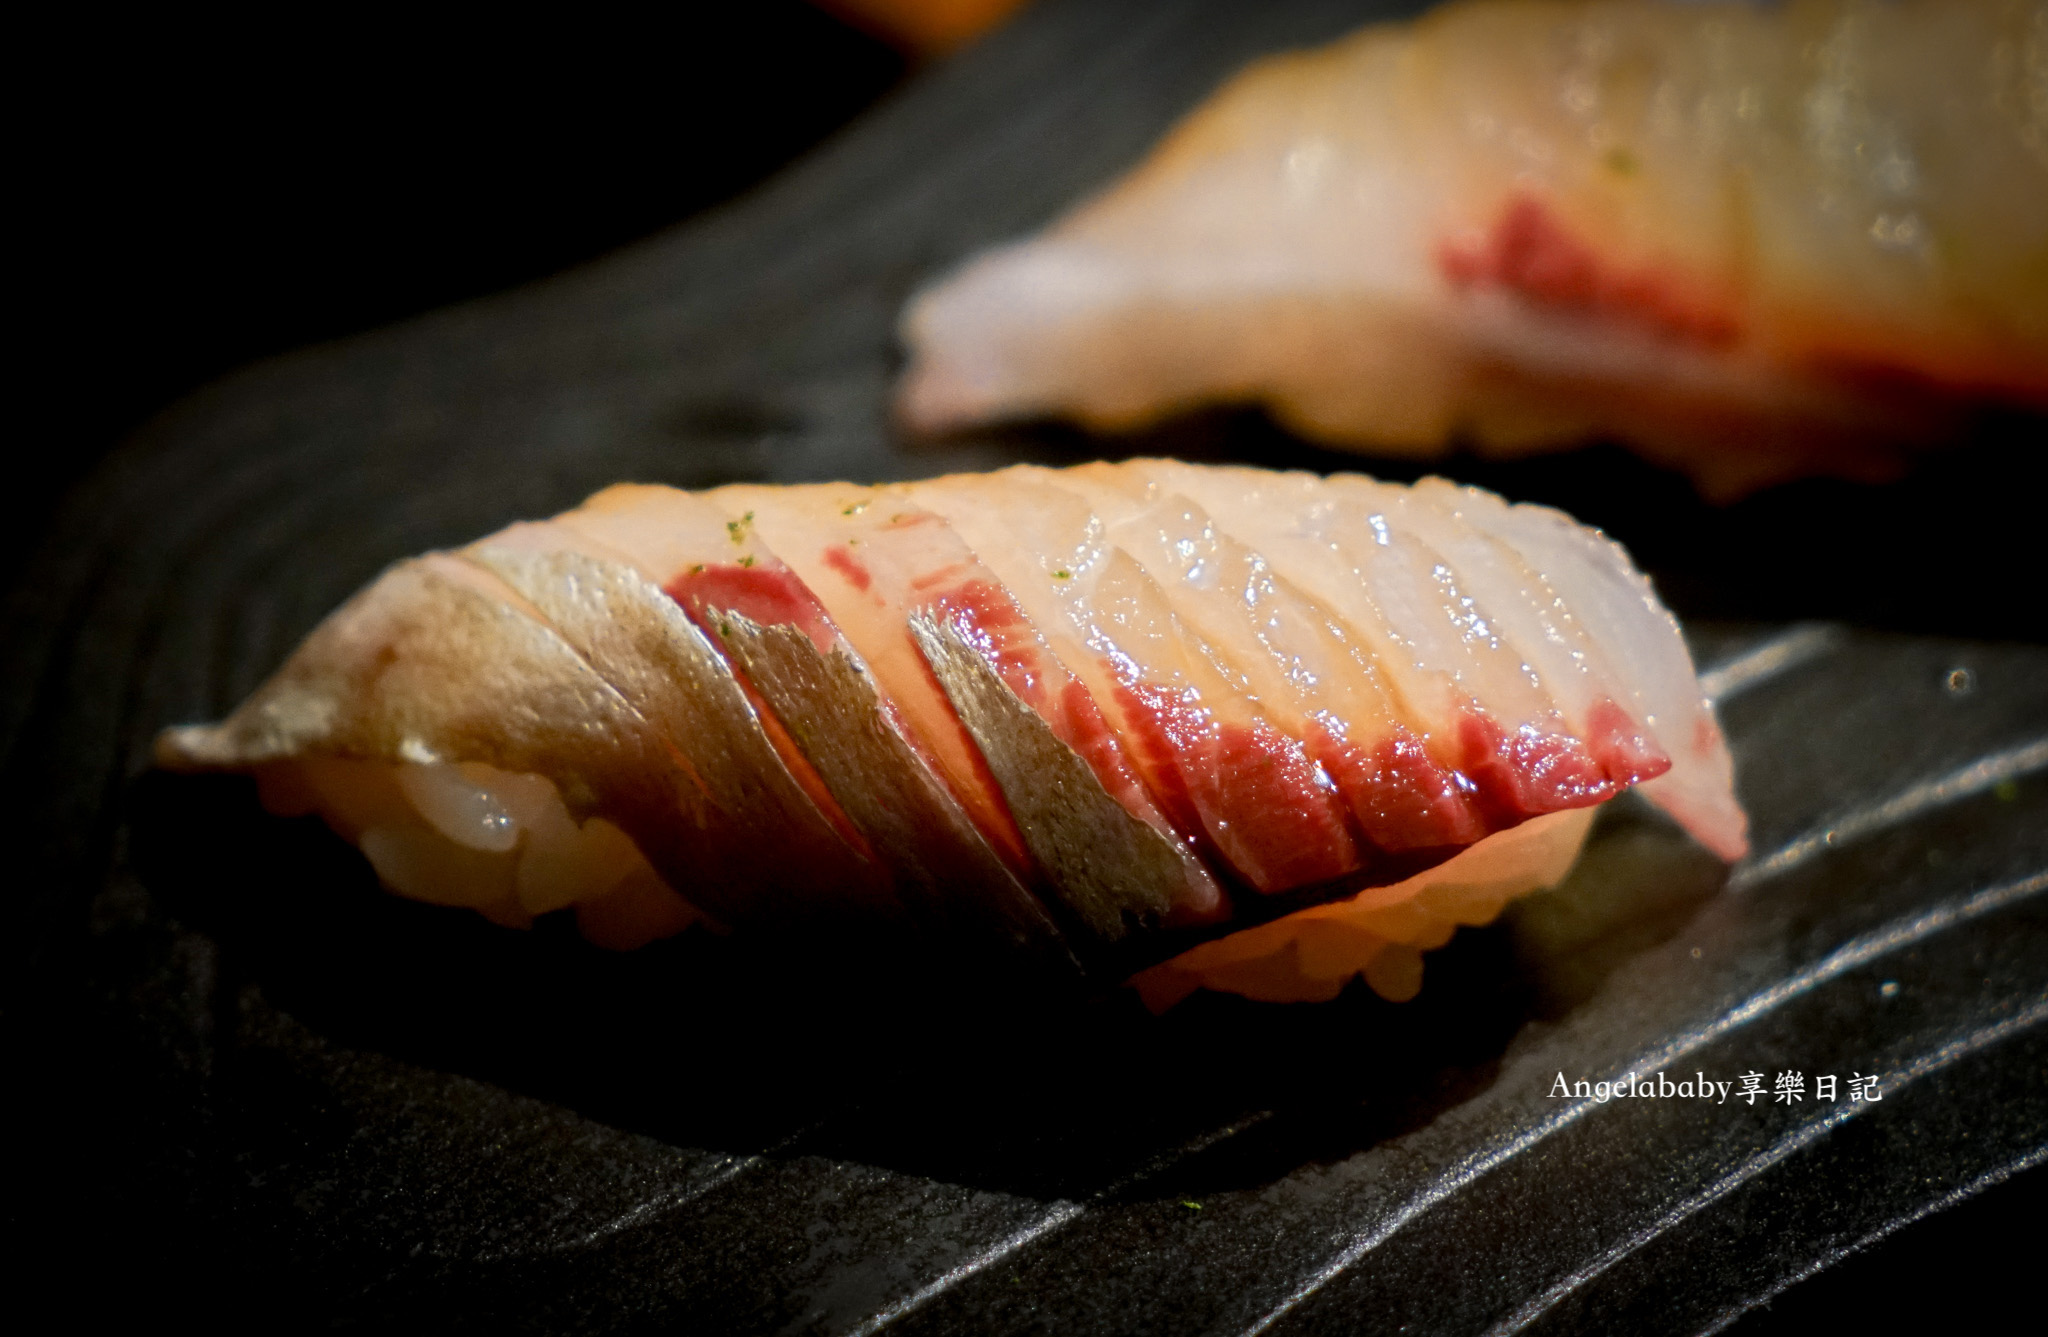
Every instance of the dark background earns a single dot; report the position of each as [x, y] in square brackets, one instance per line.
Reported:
[210, 191]
[203, 194]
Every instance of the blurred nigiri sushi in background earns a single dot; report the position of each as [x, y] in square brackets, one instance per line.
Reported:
[1752, 240]
[1255, 731]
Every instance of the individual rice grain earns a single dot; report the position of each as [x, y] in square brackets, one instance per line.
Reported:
[499, 842]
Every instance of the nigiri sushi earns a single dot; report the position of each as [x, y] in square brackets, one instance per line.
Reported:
[1211, 727]
[1752, 240]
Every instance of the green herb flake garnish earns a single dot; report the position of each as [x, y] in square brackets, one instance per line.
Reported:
[748, 560]
[1062, 575]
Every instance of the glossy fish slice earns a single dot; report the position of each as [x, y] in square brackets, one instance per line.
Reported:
[1258, 732]
[934, 624]
[1752, 240]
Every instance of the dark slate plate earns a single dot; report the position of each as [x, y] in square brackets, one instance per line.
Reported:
[253, 1088]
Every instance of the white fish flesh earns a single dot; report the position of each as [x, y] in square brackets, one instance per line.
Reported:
[1751, 240]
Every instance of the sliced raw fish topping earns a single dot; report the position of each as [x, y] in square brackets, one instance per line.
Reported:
[1010, 602]
[1752, 240]
[863, 555]
[1622, 614]
[1075, 716]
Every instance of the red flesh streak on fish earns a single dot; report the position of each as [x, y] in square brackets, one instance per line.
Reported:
[1254, 791]
[999, 631]
[1156, 752]
[772, 596]
[1080, 724]
[1526, 773]
[1618, 743]
[1528, 252]
[983, 611]
[990, 620]
[976, 791]
[768, 593]
[1401, 797]
[840, 560]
